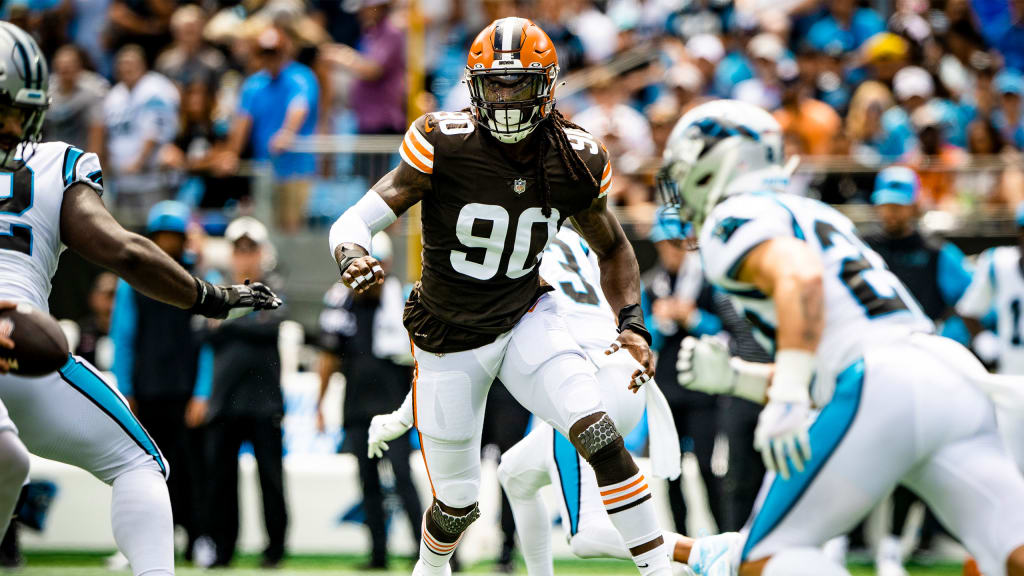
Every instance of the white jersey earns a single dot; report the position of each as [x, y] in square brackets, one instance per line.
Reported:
[30, 204]
[570, 267]
[149, 111]
[999, 283]
[865, 304]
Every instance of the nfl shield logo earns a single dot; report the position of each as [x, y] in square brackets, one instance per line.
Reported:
[519, 185]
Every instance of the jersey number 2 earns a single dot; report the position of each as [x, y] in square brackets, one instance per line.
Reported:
[15, 201]
[877, 299]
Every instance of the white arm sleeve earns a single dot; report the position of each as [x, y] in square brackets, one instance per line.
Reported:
[977, 299]
[358, 224]
[404, 411]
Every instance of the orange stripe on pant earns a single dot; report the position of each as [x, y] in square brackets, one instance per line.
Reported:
[415, 422]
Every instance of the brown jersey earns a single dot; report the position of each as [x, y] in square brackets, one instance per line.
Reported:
[484, 229]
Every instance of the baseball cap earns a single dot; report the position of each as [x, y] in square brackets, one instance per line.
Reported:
[896, 185]
[767, 47]
[706, 47]
[884, 46]
[168, 216]
[247, 227]
[1009, 82]
[912, 81]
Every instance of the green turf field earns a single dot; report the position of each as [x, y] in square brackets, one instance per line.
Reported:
[92, 565]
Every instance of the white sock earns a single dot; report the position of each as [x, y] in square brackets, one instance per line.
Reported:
[140, 511]
[14, 466]
[434, 554]
[631, 510]
[534, 530]
[802, 562]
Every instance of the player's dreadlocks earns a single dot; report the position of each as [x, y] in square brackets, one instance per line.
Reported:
[553, 136]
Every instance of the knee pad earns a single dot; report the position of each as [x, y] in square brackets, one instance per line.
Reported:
[452, 523]
[595, 435]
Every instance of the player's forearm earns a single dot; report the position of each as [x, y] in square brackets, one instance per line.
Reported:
[389, 198]
[152, 272]
[294, 118]
[800, 308]
[620, 275]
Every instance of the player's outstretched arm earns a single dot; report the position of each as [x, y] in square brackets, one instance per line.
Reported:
[350, 236]
[90, 230]
[620, 280]
[791, 273]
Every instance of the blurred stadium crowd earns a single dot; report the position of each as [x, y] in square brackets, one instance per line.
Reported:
[173, 93]
[199, 102]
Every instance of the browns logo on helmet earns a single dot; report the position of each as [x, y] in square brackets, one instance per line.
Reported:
[511, 72]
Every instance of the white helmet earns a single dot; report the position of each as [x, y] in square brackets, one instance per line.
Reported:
[717, 149]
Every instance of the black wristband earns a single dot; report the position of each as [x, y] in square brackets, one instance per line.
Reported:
[209, 299]
[631, 318]
[349, 253]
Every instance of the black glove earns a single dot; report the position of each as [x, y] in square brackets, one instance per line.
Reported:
[232, 301]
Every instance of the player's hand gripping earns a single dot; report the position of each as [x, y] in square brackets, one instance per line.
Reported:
[383, 429]
[229, 302]
[362, 273]
[638, 348]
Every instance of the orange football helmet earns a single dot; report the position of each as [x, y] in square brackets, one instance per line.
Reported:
[511, 72]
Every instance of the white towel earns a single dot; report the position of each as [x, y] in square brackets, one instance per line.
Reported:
[666, 457]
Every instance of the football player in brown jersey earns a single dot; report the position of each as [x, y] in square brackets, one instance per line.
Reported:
[495, 184]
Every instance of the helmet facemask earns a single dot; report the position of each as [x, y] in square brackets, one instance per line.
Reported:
[695, 181]
[511, 102]
[15, 154]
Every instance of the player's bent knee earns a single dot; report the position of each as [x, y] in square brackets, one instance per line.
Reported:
[14, 460]
[599, 442]
[449, 522]
[514, 486]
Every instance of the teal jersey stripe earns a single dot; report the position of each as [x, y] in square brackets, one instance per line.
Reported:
[71, 158]
[81, 378]
[826, 433]
[568, 464]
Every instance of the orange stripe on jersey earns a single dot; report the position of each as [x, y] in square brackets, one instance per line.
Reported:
[426, 153]
[638, 491]
[621, 488]
[607, 171]
[411, 158]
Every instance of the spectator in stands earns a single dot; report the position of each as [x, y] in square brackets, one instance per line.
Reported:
[188, 59]
[159, 367]
[768, 54]
[144, 23]
[75, 115]
[362, 336]
[94, 328]
[87, 31]
[194, 152]
[677, 302]
[278, 104]
[624, 131]
[884, 54]
[864, 126]
[595, 29]
[140, 116]
[849, 24]
[814, 124]
[935, 273]
[1009, 116]
[378, 93]
[936, 158]
[706, 52]
[246, 404]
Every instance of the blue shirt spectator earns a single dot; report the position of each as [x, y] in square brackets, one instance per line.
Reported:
[266, 99]
[861, 25]
[1008, 117]
[1002, 29]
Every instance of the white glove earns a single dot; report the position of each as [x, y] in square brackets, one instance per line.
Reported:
[716, 555]
[383, 429]
[704, 365]
[783, 426]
